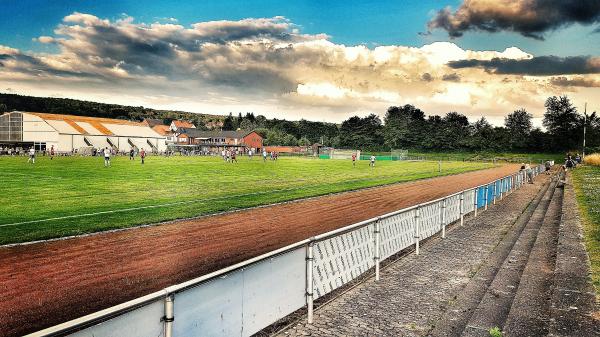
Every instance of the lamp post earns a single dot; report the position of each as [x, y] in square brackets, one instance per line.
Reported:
[584, 129]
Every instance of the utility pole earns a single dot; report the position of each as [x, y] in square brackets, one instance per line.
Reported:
[584, 129]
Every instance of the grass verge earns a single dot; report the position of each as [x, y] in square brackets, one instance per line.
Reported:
[587, 187]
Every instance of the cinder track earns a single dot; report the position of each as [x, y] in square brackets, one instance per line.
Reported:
[44, 284]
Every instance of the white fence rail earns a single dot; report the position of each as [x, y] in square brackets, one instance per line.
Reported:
[247, 297]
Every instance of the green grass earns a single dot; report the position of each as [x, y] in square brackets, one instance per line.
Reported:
[460, 156]
[189, 186]
[587, 187]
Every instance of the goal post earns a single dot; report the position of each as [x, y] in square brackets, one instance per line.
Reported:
[399, 154]
[343, 153]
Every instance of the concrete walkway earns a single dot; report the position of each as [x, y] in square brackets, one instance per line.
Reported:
[438, 292]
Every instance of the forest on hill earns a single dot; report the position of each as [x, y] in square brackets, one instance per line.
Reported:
[402, 127]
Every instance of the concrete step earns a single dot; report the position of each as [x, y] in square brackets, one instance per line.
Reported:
[573, 310]
[494, 307]
[460, 311]
[530, 311]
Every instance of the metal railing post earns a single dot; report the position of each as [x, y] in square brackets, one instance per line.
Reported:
[309, 280]
[475, 198]
[485, 198]
[502, 186]
[377, 249]
[462, 208]
[494, 192]
[169, 316]
[416, 231]
[444, 218]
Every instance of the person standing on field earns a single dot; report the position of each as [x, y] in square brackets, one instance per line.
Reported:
[143, 155]
[31, 155]
[52, 152]
[250, 154]
[131, 153]
[106, 157]
[265, 155]
[354, 160]
[372, 163]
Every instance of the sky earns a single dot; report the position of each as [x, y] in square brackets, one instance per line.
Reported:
[318, 60]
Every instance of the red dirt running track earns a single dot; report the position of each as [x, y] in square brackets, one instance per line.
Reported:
[48, 283]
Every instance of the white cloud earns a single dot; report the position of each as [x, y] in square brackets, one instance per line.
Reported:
[265, 64]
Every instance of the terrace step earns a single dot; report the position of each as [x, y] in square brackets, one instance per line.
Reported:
[494, 307]
[471, 303]
[574, 310]
[530, 311]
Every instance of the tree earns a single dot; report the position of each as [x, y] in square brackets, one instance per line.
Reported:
[362, 133]
[518, 125]
[247, 124]
[229, 123]
[403, 127]
[562, 120]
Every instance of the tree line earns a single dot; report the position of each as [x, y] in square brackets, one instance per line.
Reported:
[403, 127]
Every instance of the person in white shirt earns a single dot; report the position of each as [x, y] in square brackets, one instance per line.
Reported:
[372, 163]
[250, 154]
[264, 155]
[31, 156]
[106, 157]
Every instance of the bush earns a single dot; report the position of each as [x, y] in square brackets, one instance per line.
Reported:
[495, 332]
[592, 159]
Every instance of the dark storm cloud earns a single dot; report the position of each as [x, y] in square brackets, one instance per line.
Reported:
[562, 81]
[530, 18]
[454, 77]
[536, 66]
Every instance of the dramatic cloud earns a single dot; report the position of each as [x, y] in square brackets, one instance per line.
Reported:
[579, 81]
[537, 66]
[531, 18]
[268, 66]
[454, 77]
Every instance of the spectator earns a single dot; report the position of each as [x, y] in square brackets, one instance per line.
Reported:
[143, 155]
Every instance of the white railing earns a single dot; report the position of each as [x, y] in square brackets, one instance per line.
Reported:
[243, 299]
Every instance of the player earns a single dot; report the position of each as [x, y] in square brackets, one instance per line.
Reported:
[106, 157]
[142, 155]
[233, 156]
[131, 154]
[372, 163]
[250, 154]
[31, 155]
[354, 160]
[52, 152]
[265, 156]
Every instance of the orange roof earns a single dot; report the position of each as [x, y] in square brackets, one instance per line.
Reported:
[91, 120]
[162, 130]
[101, 128]
[76, 126]
[183, 124]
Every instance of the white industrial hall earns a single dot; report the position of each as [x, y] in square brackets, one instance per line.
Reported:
[76, 134]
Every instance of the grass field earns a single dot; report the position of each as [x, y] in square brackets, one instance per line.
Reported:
[587, 187]
[170, 188]
[473, 156]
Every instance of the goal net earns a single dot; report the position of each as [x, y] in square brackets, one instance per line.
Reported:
[343, 153]
[399, 154]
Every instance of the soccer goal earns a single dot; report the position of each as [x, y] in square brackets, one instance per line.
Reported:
[399, 154]
[343, 153]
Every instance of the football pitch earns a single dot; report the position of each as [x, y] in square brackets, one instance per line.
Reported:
[77, 195]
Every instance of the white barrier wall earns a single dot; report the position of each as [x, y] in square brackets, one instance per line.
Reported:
[245, 298]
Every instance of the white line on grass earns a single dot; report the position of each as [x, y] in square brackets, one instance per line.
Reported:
[74, 216]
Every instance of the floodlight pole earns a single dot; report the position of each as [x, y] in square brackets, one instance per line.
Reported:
[584, 129]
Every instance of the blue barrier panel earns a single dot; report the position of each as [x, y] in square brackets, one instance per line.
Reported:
[480, 197]
[490, 198]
